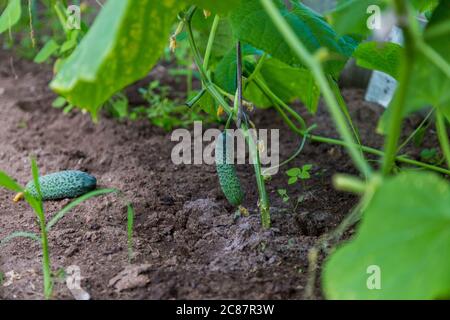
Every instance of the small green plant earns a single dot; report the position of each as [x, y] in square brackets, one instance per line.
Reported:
[162, 111]
[283, 193]
[302, 174]
[34, 199]
[430, 156]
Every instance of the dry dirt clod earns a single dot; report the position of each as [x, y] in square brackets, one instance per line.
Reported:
[130, 278]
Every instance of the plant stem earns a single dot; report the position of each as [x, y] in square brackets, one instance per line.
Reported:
[263, 198]
[275, 100]
[413, 134]
[443, 136]
[398, 105]
[434, 57]
[46, 268]
[240, 111]
[257, 69]
[209, 46]
[211, 88]
[365, 149]
[278, 101]
[316, 68]
[343, 105]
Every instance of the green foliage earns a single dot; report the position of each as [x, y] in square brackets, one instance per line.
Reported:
[35, 193]
[10, 16]
[252, 25]
[296, 174]
[429, 84]
[106, 62]
[283, 194]
[405, 231]
[221, 7]
[350, 16]
[430, 156]
[224, 39]
[9, 183]
[163, 111]
[288, 83]
[47, 51]
[384, 57]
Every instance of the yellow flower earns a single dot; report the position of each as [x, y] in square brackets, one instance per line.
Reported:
[220, 111]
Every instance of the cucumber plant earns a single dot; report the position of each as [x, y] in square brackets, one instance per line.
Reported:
[291, 52]
[61, 185]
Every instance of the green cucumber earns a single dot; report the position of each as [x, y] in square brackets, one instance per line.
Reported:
[62, 185]
[228, 179]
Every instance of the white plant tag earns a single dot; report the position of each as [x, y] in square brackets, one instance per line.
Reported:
[382, 86]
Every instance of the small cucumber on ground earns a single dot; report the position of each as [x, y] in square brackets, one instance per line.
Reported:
[226, 171]
[62, 185]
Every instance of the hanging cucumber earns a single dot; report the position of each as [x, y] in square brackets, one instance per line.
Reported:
[61, 185]
[226, 171]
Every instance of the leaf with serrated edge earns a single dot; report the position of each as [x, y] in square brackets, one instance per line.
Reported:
[251, 24]
[123, 44]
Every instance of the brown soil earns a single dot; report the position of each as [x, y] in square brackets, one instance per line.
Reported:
[188, 245]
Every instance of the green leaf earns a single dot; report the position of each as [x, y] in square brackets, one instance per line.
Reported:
[292, 180]
[288, 83]
[307, 167]
[47, 51]
[10, 16]
[19, 234]
[123, 44]
[304, 175]
[429, 84]
[76, 203]
[223, 41]
[225, 74]
[405, 232]
[9, 183]
[130, 226]
[294, 172]
[35, 172]
[384, 57]
[425, 5]
[59, 102]
[251, 24]
[221, 7]
[350, 16]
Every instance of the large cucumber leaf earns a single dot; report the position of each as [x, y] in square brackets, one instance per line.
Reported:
[384, 57]
[252, 25]
[221, 7]
[351, 16]
[405, 234]
[11, 15]
[288, 83]
[223, 41]
[124, 43]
